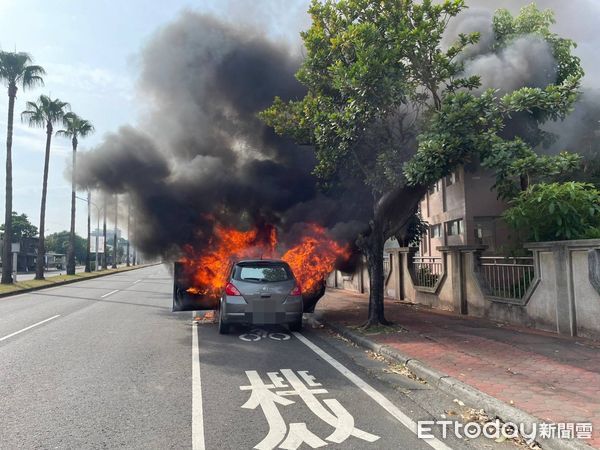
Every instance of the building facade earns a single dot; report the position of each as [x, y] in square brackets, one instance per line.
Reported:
[463, 209]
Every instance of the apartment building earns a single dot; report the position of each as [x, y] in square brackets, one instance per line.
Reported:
[463, 209]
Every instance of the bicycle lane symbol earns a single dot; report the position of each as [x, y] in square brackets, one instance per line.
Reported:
[256, 334]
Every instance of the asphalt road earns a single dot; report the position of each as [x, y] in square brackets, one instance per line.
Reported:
[104, 363]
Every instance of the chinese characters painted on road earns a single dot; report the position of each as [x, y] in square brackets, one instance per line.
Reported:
[287, 384]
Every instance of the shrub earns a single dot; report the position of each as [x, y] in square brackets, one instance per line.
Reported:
[556, 211]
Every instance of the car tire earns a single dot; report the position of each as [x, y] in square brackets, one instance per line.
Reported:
[296, 326]
[223, 327]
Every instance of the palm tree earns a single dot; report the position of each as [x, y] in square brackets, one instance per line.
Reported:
[15, 70]
[45, 112]
[75, 127]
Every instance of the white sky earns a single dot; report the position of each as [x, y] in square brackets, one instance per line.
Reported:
[89, 49]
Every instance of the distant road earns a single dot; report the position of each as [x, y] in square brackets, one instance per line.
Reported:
[47, 273]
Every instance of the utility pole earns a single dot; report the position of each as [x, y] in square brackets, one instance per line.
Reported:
[128, 229]
[104, 262]
[89, 234]
[115, 240]
[135, 234]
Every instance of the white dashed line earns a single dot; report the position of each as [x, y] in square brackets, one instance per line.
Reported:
[110, 293]
[29, 327]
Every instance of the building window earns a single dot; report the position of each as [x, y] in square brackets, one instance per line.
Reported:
[434, 188]
[436, 231]
[454, 227]
[452, 178]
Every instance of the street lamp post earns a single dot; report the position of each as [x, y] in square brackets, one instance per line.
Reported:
[115, 240]
[98, 209]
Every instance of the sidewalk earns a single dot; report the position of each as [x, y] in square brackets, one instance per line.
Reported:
[550, 377]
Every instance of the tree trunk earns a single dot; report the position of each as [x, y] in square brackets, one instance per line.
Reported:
[41, 253]
[6, 251]
[71, 250]
[391, 215]
[115, 240]
[104, 262]
[88, 267]
[372, 247]
[128, 230]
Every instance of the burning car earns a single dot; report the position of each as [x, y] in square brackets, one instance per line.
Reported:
[203, 278]
[261, 292]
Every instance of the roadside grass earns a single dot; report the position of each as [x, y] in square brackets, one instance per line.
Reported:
[59, 279]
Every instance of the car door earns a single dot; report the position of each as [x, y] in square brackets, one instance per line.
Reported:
[183, 300]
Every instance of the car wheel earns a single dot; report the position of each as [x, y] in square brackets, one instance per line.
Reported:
[223, 327]
[296, 326]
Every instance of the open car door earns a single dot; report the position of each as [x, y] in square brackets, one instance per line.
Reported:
[187, 301]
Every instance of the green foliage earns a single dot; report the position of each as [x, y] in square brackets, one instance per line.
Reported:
[473, 127]
[556, 211]
[45, 112]
[75, 127]
[59, 243]
[16, 69]
[417, 228]
[532, 20]
[372, 68]
[21, 227]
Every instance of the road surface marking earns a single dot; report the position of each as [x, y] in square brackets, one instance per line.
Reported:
[110, 293]
[29, 327]
[197, 419]
[303, 385]
[371, 392]
[256, 334]
[136, 281]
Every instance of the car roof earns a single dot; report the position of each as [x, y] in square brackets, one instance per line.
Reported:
[254, 260]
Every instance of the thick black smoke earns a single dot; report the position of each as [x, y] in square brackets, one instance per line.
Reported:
[528, 61]
[202, 153]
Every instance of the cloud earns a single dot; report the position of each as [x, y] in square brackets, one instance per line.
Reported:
[95, 81]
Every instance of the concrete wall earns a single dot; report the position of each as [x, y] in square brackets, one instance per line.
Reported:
[564, 296]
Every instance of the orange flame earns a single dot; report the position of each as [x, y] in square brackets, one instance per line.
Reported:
[314, 257]
[311, 260]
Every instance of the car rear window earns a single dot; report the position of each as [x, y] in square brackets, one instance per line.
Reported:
[262, 272]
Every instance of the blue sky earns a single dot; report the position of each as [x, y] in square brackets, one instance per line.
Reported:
[89, 49]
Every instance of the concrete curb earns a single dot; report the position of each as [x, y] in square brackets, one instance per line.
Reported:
[77, 280]
[456, 388]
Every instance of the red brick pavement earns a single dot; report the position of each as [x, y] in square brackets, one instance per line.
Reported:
[551, 377]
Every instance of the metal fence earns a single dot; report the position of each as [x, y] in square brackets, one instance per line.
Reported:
[507, 278]
[427, 270]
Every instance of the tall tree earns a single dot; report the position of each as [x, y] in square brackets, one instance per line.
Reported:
[75, 128]
[373, 68]
[16, 69]
[45, 112]
[59, 243]
[376, 72]
[21, 227]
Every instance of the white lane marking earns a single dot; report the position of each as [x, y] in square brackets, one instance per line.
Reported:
[110, 293]
[197, 418]
[29, 327]
[136, 281]
[371, 392]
